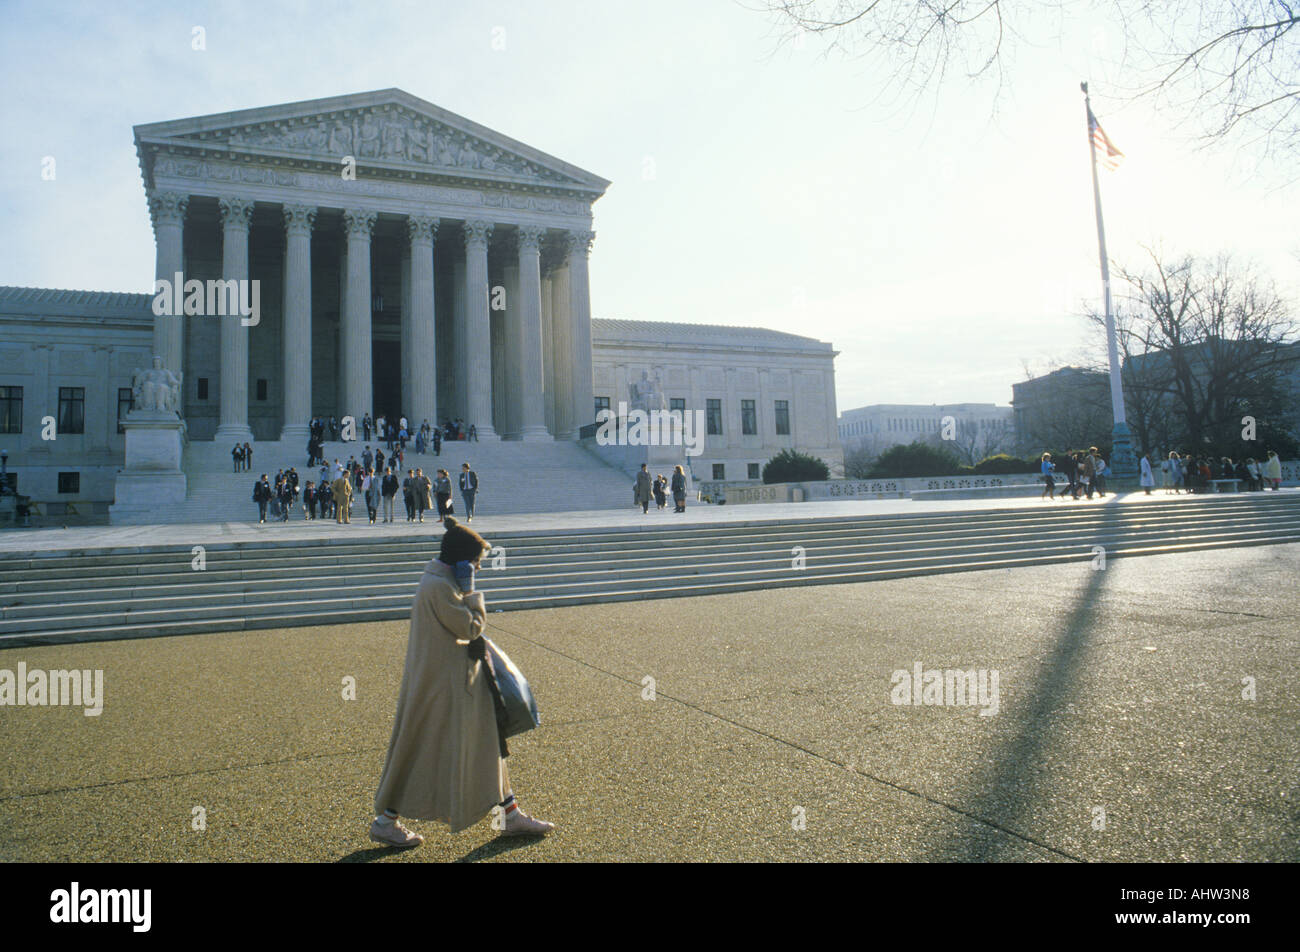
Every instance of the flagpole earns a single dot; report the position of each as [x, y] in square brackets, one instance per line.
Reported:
[1123, 464]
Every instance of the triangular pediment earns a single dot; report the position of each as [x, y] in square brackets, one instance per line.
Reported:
[388, 130]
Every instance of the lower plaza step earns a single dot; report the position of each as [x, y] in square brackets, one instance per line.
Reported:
[152, 590]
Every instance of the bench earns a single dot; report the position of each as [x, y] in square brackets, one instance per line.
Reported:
[1215, 483]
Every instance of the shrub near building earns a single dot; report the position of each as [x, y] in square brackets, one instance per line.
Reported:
[789, 466]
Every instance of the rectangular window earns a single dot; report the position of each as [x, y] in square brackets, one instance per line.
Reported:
[753, 471]
[72, 410]
[719, 470]
[11, 409]
[125, 400]
[70, 483]
[602, 403]
[261, 388]
[748, 418]
[678, 405]
[714, 420]
[203, 388]
[783, 418]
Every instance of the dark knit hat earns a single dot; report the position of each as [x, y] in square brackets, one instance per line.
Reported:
[461, 544]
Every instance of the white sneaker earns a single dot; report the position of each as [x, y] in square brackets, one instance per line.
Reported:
[519, 823]
[394, 834]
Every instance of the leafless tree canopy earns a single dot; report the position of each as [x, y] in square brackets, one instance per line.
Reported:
[1203, 342]
[1228, 66]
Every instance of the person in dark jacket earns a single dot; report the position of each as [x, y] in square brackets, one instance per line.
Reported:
[309, 500]
[262, 496]
[641, 492]
[660, 491]
[408, 494]
[389, 487]
[679, 489]
[468, 489]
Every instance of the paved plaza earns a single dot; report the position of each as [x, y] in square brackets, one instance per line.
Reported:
[771, 734]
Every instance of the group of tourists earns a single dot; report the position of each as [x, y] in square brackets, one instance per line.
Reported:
[371, 481]
[645, 488]
[1085, 473]
[1185, 473]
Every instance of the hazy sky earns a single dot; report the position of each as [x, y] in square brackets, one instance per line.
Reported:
[938, 247]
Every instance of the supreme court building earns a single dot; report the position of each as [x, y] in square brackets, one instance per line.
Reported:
[396, 245]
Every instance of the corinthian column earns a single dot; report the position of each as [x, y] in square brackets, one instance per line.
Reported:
[236, 215]
[531, 397]
[298, 220]
[582, 402]
[167, 209]
[358, 383]
[478, 342]
[423, 366]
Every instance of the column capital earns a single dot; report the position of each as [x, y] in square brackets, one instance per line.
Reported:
[477, 232]
[529, 238]
[358, 222]
[236, 211]
[168, 208]
[579, 241]
[298, 219]
[422, 228]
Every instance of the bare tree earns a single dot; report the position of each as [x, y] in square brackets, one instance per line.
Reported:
[1205, 342]
[1229, 65]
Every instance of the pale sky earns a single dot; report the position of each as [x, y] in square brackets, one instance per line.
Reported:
[939, 247]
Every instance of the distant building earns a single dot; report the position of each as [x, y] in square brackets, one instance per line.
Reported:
[1066, 409]
[979, 429]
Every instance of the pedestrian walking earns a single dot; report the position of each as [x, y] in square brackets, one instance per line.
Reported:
[309, 501]
[389, 488]
[370, 490]
[423, 489]
[442, 494]
[1046, 468]
[237, 457]
[641, 490]
[468, 488]
[262, 495]
[341, 493]
[248, 457]
[446, 757]
[660, 491]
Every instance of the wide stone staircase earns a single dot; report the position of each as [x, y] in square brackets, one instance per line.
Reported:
[514, 477]
[53, 597]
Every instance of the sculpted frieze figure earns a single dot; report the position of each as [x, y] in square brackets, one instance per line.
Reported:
[156, 388]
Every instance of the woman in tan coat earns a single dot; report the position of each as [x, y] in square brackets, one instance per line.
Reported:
[444, 758]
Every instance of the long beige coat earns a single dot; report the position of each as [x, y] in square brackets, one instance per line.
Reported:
[444, 761]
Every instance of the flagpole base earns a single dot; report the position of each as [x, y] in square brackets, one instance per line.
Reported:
[1123, 465]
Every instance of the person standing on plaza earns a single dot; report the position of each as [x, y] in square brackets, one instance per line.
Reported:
[408, 494]
[1046, 467]
[642, 490]
[1256, 479]
[442, 493]
[389, 488]
[341, 494]
[661, 497]
[437, 442]
[1098, 471]
[423, 489]
[446, 757]
[1146, 479]
[679, 489]
[248, 457]
[309, 501]
[237, 456]
[468, 488]
[323, 499]
[285, 498]
[1273, 471]
[370, 493]
[473, 434]
[1089, 473]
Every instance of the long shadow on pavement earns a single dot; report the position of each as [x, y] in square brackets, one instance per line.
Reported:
[1008, 792]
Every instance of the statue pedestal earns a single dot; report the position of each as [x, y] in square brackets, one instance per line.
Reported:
[152, 481]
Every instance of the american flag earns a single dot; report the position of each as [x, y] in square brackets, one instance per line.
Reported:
[1107, 155]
